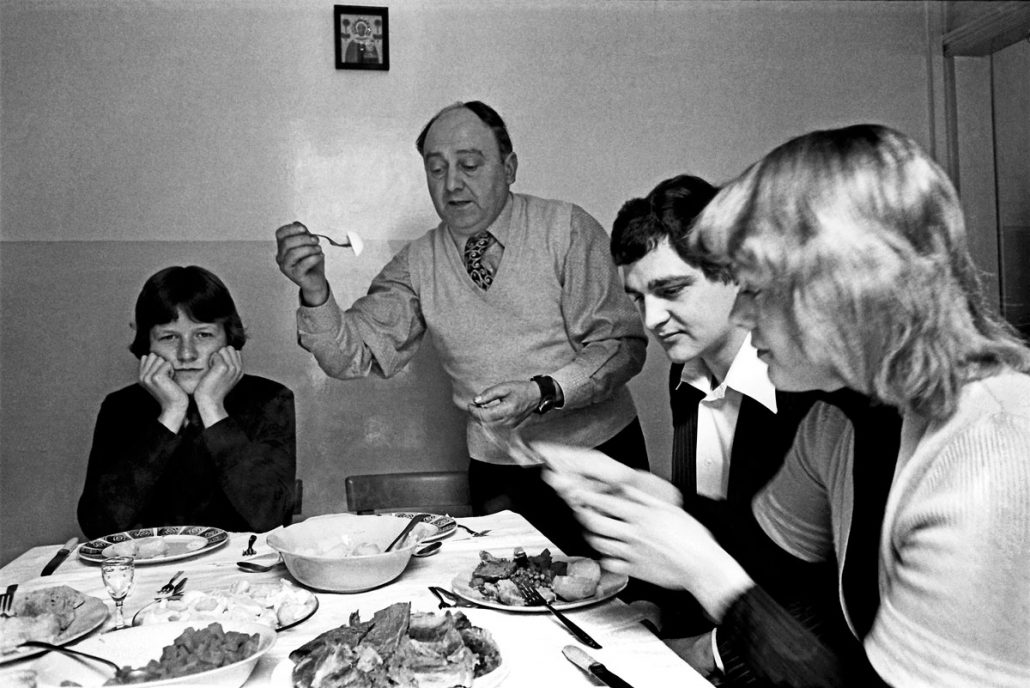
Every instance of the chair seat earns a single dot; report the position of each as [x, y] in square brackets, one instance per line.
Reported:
[441, 492]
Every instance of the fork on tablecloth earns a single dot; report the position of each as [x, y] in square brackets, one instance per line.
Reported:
[249, 552]
[534, 598]
[169, 587]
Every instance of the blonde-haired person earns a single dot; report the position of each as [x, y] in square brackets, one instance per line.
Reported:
[850, 248]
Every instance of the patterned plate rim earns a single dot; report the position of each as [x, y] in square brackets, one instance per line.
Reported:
[92, 551]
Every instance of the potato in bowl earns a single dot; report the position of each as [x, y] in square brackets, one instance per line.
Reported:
[345, 552]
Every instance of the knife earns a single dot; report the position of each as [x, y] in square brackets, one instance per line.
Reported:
[61, 555]
[591, 665]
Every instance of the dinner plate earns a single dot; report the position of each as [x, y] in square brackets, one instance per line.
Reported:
[610, 585]
[182, 541]
[444, 524]
[303, 595]
[89, 616]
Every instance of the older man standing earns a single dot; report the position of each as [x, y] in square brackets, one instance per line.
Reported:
[522, 301]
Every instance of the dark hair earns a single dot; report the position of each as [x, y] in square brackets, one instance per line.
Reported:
[665, 214]
[487, 116]
[198, 292]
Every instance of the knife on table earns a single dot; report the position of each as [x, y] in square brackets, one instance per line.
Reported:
[61, 555]
[592, 666]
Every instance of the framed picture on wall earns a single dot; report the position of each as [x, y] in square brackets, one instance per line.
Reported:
[362, 37]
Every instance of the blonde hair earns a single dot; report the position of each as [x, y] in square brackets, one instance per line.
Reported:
[859, 235]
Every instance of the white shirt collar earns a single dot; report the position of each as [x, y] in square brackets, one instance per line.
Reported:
[747, 375]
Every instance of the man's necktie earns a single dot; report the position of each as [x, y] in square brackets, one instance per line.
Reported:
[684, 440]
[480, 272]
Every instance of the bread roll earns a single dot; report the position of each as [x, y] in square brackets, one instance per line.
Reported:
[152, 547]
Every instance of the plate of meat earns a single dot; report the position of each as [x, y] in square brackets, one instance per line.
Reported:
[57, 614]
[412, 648]
[565, 582]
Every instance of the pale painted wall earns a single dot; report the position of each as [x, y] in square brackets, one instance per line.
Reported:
[141, 134]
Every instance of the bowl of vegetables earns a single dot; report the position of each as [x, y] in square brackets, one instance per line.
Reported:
[177, 653]
[346, 552]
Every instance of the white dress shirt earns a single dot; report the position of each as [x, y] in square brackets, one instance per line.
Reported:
[717, 413]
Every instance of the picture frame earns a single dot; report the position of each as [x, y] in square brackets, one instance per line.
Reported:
[362, 37]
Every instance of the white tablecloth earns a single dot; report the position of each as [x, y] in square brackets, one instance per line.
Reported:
[530, 643]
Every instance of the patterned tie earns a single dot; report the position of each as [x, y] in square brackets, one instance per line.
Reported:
[475, 247]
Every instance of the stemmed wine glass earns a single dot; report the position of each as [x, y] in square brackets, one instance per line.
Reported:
[118, 574]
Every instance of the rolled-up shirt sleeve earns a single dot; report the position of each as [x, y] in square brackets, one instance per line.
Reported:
[600, 319]
[377, 335]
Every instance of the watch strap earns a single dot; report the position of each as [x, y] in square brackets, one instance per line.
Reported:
[548, 393]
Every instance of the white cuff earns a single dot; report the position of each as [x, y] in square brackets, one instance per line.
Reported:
[715, 653]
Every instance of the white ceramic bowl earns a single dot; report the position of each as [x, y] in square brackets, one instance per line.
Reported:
[336, 573]
[135, 646]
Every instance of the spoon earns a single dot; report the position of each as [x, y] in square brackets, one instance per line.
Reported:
[122, 673]
[258, 568]
[415, 520]
[428, 549]
[353, 241]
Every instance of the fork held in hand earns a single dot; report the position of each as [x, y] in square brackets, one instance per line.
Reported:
[353, 242]
[534, 598]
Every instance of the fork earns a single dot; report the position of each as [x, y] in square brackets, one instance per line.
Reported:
[474, 533]
[169, 587]
[353, 242]
[249, 552]
[7, 600]
[535, 599]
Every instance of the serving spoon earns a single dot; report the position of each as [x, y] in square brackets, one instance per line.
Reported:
[415, 520]
[123, 673]
[252, 567]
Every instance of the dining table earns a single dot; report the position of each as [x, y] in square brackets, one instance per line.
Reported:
[530, 642]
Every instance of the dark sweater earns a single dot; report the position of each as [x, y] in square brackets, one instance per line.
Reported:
[236, 475]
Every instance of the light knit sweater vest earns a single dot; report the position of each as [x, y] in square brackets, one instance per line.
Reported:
[515, 329]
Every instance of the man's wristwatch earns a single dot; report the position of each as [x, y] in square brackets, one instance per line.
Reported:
[550, 393]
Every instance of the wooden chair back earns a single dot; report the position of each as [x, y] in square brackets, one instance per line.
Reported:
[439, 492]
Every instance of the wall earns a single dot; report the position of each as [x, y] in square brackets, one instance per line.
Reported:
[137, 135]
[1011, 97]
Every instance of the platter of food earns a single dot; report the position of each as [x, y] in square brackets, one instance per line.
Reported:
[57, 614]
[278, 604]
[565, 582]
[154, 545]
[396, 647]
[179, 653]
[444, 524]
